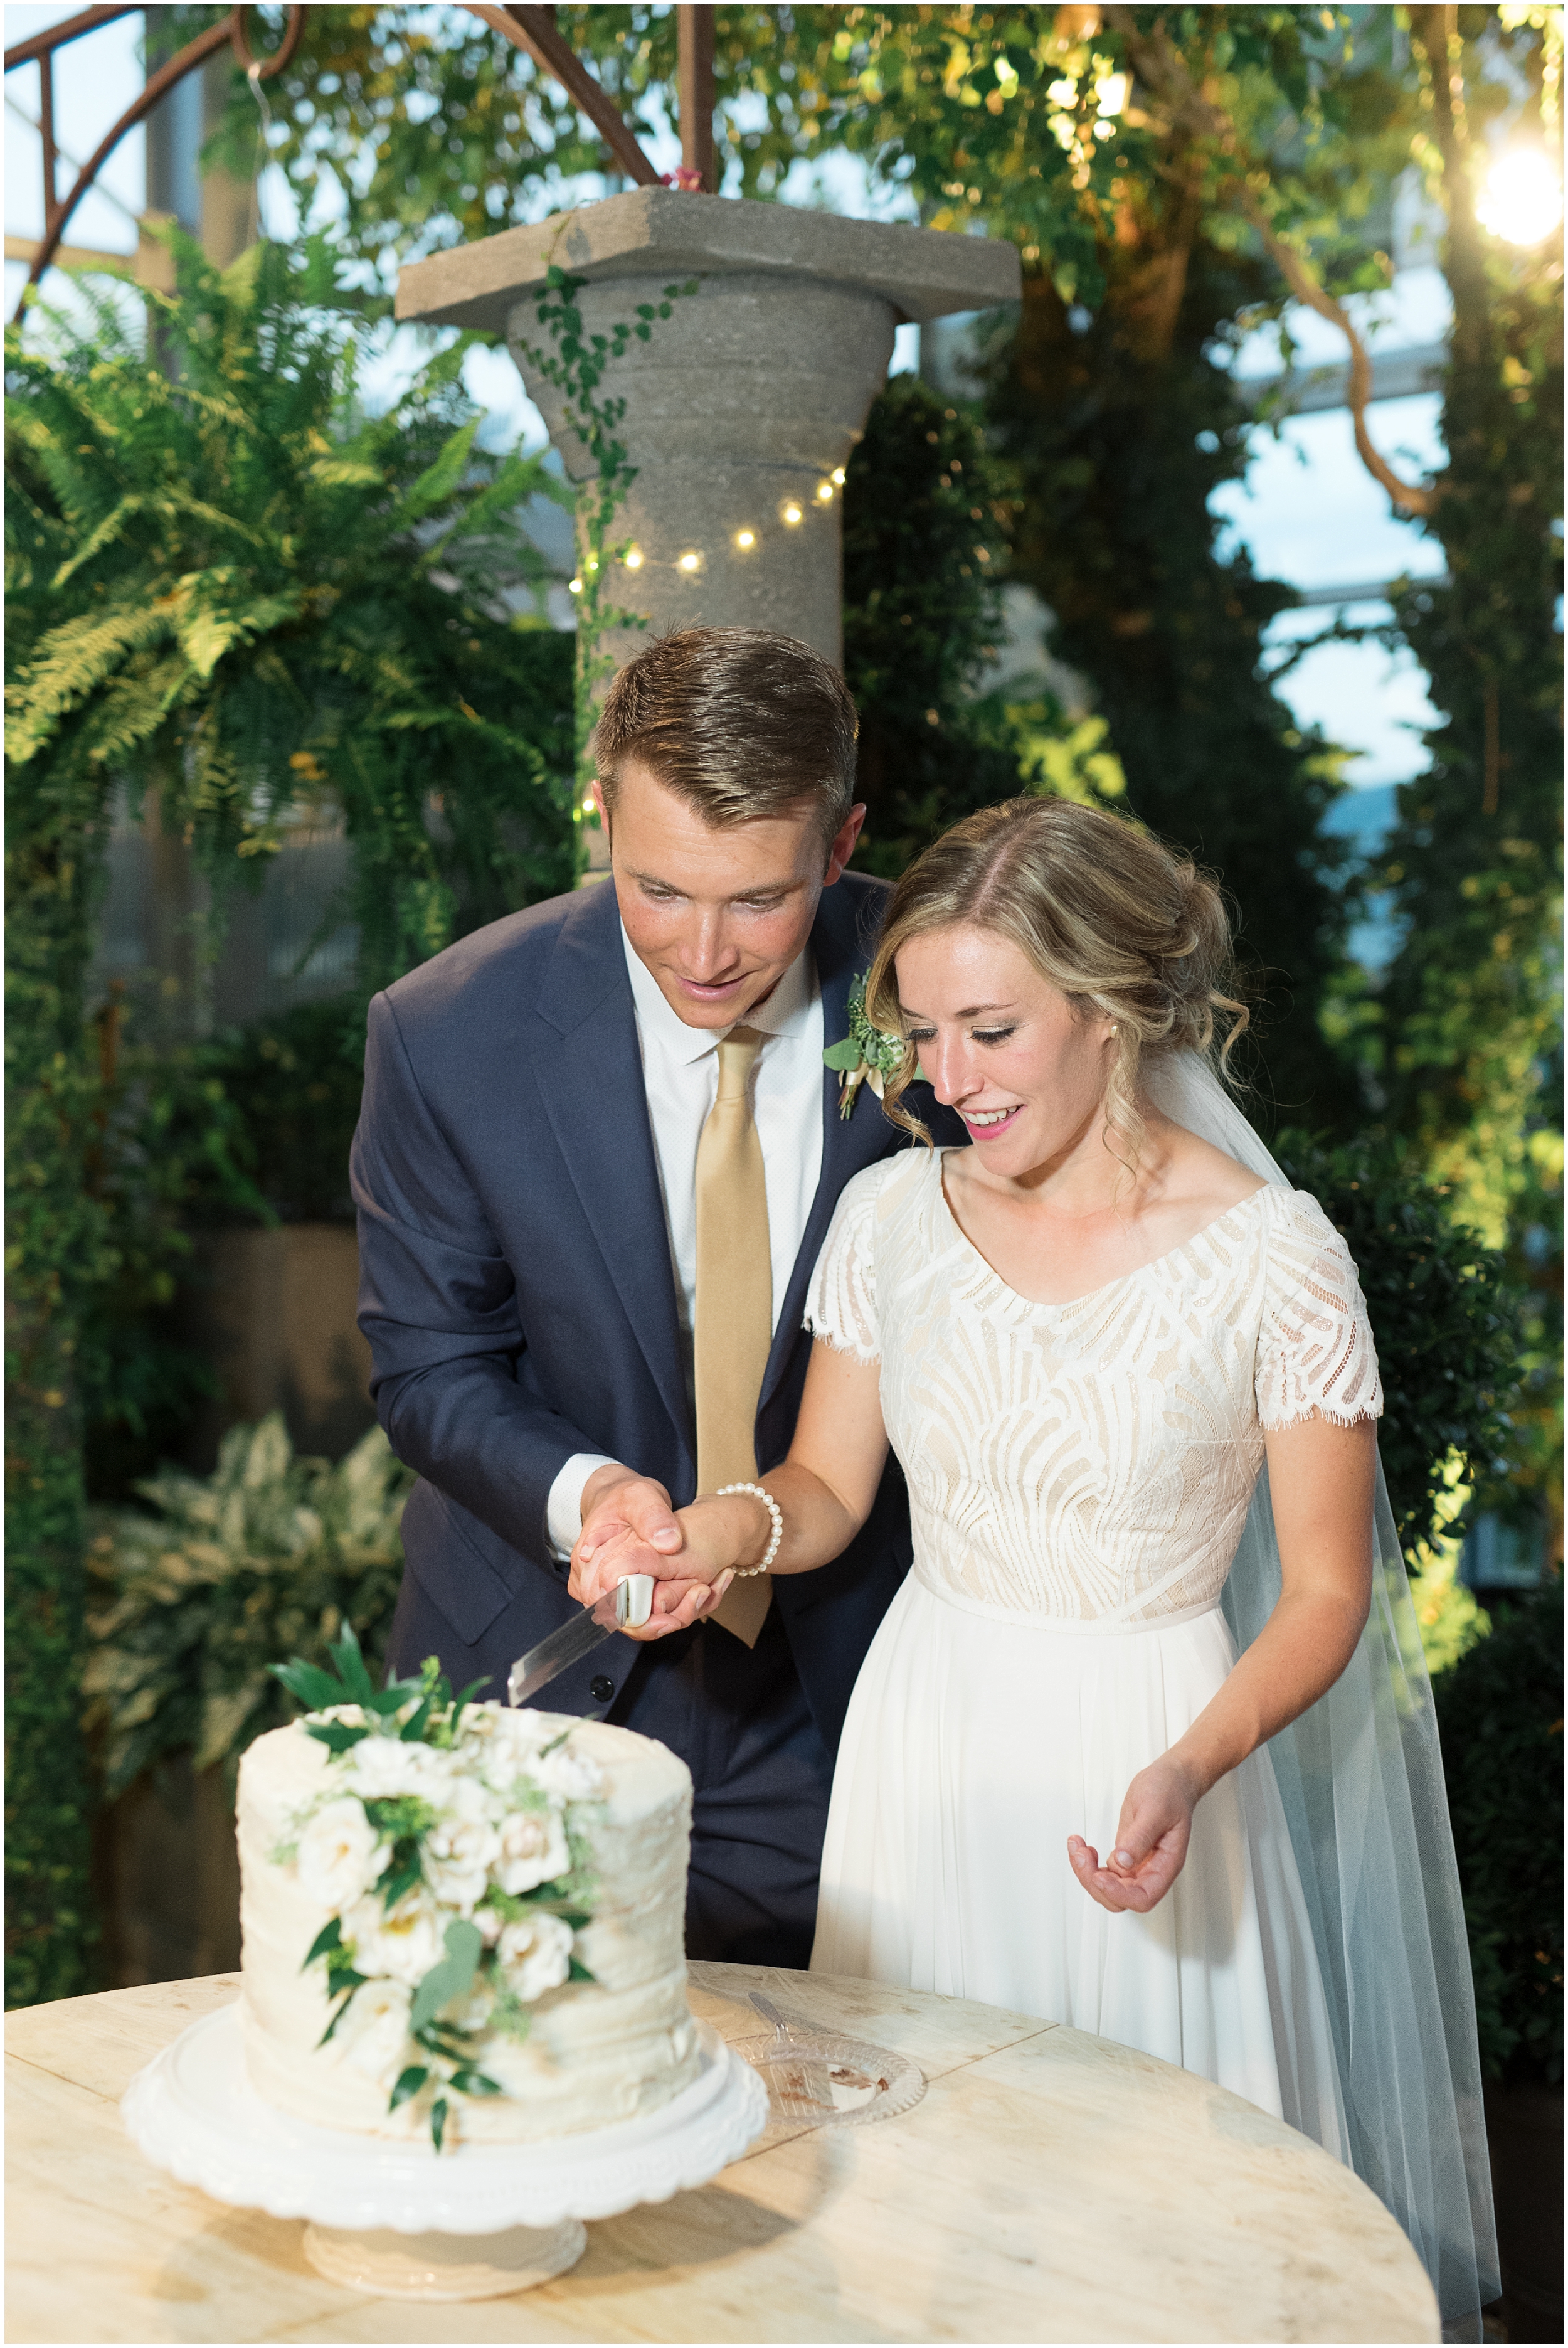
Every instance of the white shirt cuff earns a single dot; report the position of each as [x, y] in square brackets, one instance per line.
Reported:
[563, 1509]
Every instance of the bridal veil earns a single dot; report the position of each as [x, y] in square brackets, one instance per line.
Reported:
[1360, 1776]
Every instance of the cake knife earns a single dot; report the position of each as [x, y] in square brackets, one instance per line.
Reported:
[627, 1607]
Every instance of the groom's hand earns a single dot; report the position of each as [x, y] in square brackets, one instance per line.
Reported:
[616, 1503]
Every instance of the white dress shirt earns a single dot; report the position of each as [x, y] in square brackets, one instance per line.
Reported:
[681, 1077]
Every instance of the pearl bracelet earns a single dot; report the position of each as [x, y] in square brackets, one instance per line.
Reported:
[744, 1573]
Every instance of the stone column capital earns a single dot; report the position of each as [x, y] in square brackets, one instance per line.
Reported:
[920, 274]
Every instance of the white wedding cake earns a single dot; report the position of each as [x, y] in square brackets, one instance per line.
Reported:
[463, 1920]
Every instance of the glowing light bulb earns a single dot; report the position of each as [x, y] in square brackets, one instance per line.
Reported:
[791, 514]
[691, 563]
[588, 807]
[825, 493]
[592, 563]
[633, 558]
[576, 587]
[1521, 198]
[745, 539]
[839, 477]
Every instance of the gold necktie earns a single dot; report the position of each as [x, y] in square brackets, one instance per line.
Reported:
[735, 1313]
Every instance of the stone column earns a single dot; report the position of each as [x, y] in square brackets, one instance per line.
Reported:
[743, 407]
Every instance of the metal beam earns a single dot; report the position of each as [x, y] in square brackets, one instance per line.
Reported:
[533, 29]
[1396, 374]
[695, 95]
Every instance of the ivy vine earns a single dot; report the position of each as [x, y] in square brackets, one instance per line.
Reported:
[575, 360]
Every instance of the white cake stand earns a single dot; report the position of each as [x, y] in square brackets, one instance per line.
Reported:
[401, 2222]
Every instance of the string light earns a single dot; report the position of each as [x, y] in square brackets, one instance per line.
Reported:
[588, 807]
[575, 587]
[1520, 199]
[691, 563]
[825, 493]
[745, 539]
[839, 477]
[791, 514]
[633, 558]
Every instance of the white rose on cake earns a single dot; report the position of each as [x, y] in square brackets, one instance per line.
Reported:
[374, 2030]
[461, 1848]
[379, 1768]
[339, 1854]
[533, 1850]
[403, 1942]
[535, 1954]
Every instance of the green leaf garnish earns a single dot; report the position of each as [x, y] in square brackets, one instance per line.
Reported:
[469, 2082]
[336, 1734]
[328, 1937]
[438, 2121]
[409, 2083]
[453, 1976]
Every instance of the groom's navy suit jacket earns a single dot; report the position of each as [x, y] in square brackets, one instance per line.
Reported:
[516, 1287]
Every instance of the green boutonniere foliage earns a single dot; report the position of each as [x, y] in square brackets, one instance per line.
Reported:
[866, 1052]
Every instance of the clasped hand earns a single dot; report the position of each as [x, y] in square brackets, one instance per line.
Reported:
[630, 1527]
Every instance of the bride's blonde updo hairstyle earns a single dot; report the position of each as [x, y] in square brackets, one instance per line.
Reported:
[1114, 919]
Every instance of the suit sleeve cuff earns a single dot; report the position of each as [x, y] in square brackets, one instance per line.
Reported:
[563, 1509]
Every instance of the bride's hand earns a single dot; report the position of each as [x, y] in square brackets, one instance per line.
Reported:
[1151, 1839]
[678, 1604]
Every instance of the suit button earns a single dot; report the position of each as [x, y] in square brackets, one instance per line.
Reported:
[602, 1689]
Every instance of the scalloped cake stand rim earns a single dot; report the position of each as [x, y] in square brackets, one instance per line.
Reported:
[192, 2111]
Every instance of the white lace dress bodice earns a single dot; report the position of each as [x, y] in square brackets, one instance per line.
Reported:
[1091, 1464]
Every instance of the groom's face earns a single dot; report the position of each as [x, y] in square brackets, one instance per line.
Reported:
[717, 912]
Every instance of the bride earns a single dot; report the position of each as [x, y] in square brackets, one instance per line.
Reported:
[1130, 1378]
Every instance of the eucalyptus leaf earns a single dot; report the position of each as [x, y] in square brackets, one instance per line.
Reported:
[452, 1977]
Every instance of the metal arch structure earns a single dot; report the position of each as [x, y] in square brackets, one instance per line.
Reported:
[532, 30]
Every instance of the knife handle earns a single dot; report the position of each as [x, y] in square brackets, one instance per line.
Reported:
[633, 1601]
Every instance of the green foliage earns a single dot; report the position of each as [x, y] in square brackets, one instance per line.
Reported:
[1445, 1321]
[926, 507]
[1471, 1015]
[250, 1126]
[1500, 1714]
[233, 586]
[195, 1594]
[292, 1085]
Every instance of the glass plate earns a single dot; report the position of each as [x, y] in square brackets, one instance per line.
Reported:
[816, 2078]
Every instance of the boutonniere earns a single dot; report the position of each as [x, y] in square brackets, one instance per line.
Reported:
[867, 1054]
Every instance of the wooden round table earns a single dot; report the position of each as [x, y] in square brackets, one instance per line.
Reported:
[1049, 2186]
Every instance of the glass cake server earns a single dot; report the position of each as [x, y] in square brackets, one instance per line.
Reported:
[625, 1608]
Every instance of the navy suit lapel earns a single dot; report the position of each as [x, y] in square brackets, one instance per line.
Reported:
[843, 940]
[590, 1077]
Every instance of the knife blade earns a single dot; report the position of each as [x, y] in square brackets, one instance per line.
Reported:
[627, 1607]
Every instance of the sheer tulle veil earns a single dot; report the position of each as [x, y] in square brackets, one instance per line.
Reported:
[1361, 1779]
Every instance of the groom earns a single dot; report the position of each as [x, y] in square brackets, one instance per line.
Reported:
[597, 1156]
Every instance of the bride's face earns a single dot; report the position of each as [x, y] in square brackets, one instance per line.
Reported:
[1025, 1071]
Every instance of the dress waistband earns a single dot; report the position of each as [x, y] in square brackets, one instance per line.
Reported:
[1102, 1626]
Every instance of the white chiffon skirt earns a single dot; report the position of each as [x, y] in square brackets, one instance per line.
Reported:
[975, 1743]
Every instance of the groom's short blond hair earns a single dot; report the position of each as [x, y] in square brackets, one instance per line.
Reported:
[737, 722]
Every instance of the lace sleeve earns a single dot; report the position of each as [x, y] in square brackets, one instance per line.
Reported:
[841, 1303]
[1314, 1350]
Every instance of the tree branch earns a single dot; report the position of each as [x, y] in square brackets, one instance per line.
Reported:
[1157, 64]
